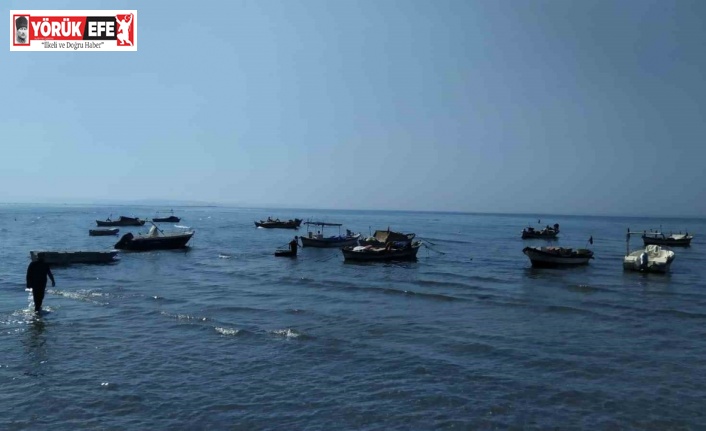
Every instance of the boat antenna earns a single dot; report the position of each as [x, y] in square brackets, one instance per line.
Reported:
[627, 245]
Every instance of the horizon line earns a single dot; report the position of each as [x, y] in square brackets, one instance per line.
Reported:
[197, 204]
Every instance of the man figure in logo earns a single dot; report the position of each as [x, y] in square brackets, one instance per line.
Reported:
[124, 29]
[21, 30]
[37, 280]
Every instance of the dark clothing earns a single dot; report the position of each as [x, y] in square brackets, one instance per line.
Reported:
[293, 244]
[37, 273]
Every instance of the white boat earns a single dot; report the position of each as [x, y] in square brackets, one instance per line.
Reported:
[653, 258]
[548, 257]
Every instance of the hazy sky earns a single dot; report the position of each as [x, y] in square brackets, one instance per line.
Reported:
[570, 107]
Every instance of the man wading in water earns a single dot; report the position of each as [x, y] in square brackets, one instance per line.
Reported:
[37, 273]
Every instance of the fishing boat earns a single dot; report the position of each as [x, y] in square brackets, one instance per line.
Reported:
[653, 258]
[103, 232]
[156, 239]
[70, 257]
[171, 219]
[545, 233]
[279, 224]
[369, 253]
[319, 240]
[551, 257]
[673, 240]
[122, 221]
[382, 237]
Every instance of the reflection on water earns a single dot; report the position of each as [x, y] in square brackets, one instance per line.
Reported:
[35, 344]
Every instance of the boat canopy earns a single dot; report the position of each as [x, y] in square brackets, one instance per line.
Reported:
[320, 223]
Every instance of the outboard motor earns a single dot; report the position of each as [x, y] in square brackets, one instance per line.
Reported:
[124, 240]
[643, 261]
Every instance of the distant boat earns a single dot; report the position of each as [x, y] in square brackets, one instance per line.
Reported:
[154, 240]
[71, 257]
[279, 224]
[549, 257]
[370, 253]
[673, 240]
[382, 237]
[170, 219]
[545, 233]
[122, 221]
[318, 240]
[103, 232]
[653, 258]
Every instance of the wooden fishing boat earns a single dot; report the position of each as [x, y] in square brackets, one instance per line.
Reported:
[103, 232]
[368, 253]
[122, 221]
[170, 219]
[382, 237]
[673, 240]
[285, 253]
[550, 257]
[320, 241]
[279, 224]
[154, 240]
[67, 257]
[653, 258]
[545, 233]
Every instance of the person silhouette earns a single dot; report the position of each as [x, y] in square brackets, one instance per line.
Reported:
[124, 29]
[37, 273]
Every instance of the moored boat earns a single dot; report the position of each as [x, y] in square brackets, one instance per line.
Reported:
[673, 240]
[545, 233]
[122, 221]
[653, 258]
[368, 253]
[68, 257]
[320, 241]
[549, 257]
[279, 224]
[170, 219]
[382, 237]
[154, 240]
[103, 232]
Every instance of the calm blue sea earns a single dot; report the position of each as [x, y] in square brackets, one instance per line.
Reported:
[226, 336]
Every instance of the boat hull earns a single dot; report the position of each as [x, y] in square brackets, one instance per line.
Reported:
[72, 257]
[331, 242]
[539, 235]
[170, 219]
[669, 242]
[285, 253]
[380, 255]
[552, 259]
[143, 243]
[294, 224]
[103, 232]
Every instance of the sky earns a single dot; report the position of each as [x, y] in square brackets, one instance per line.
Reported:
[591, 107]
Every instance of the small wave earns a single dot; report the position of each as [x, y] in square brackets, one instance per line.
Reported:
[185, 317]
[290, 334]
[224, 256]
[567, 309]
[227, 331]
